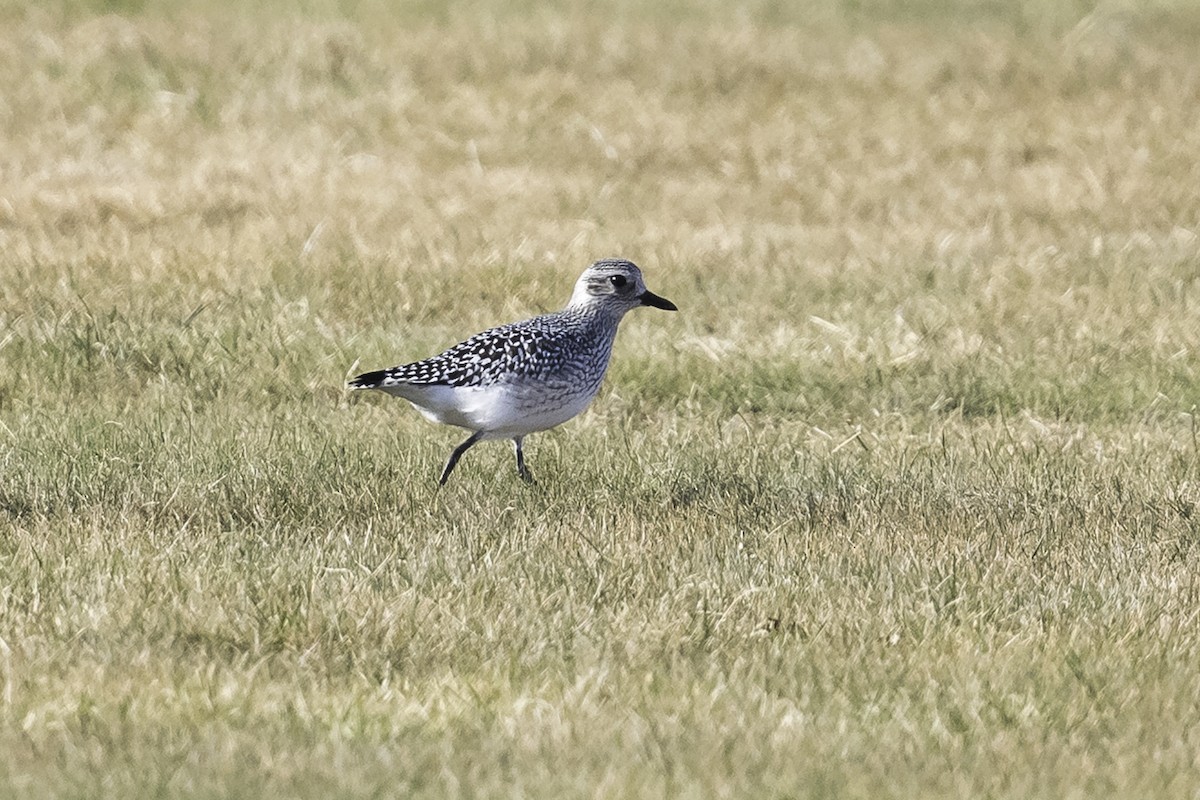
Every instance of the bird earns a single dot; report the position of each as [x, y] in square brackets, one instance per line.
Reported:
[524, 377]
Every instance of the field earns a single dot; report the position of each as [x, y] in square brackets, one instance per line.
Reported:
[901, 503]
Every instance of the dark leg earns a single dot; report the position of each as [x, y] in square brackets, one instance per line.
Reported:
[457, 454]
[522, 470]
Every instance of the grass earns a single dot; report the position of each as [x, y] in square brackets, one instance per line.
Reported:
[902, 503]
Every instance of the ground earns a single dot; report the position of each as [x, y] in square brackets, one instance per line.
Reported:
[901, 503]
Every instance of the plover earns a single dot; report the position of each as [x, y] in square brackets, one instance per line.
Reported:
[524, 377]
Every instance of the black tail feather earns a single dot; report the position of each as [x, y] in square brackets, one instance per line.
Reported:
[369, 380]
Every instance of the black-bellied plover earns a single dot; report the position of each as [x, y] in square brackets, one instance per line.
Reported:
[524, 377]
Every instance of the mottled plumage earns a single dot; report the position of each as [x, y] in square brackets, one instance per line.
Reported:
[532, 349]
[526, 376]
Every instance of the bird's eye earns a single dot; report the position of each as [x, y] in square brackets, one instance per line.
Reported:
[617, 281]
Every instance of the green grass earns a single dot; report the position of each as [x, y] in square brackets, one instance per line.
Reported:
[902, 502]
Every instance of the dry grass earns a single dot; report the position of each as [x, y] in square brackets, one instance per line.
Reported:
[902, 503]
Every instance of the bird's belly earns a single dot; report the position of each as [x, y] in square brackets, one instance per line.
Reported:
[517, 409]
[502, 409]
[542, 411]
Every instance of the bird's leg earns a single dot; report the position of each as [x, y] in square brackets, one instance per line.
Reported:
[522, 470]
[457, 454]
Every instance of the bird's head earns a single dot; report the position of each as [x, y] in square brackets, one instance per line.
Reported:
[617, 284]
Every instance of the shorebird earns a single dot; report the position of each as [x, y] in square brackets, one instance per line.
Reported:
[528, 376]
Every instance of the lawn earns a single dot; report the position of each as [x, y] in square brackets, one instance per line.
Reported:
[901, 503]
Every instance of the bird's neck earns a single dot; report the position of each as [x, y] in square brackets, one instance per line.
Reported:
[589, 312]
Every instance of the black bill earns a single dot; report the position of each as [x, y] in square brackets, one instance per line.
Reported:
[654, 301]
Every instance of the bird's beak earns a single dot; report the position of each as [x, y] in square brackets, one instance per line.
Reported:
[649, 298]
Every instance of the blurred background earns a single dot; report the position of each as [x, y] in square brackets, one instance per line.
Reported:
[951, 189]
